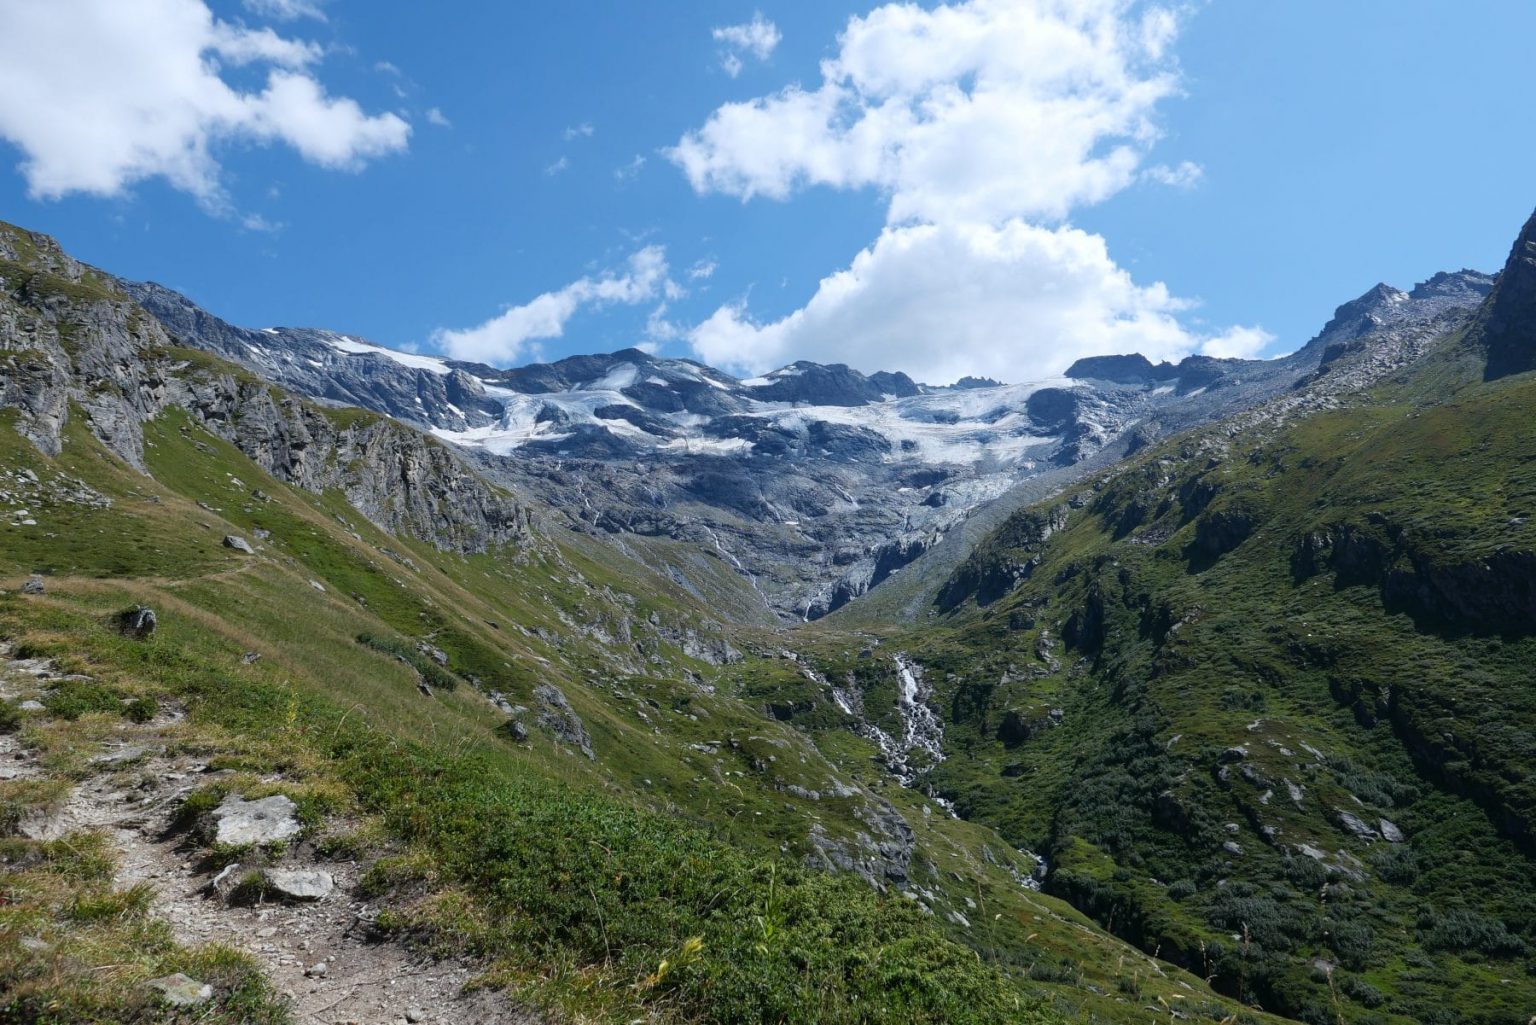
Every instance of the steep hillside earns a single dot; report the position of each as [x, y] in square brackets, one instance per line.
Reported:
[1261, 697]
[520, 757]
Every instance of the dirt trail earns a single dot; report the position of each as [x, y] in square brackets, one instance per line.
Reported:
[316, 954]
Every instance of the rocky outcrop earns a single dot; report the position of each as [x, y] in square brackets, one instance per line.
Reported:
[1490, 594]
[326, 366]
[1505, 328]
[560, 720]
[1008, 559]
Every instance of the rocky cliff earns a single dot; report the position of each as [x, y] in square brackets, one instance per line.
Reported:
[73, 344]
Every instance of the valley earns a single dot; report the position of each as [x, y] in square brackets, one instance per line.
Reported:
[628, 690]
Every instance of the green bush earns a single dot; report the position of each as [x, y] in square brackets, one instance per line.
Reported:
[70, 699]
[434, 674]
[1460, 930]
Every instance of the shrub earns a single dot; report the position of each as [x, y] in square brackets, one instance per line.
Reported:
[1462, 930]
[435, 675]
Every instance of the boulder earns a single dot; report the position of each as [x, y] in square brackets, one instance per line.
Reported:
[238, 822]
[1355, 825]
[34, 585]
[121, 756]
[238, 543]
[182, 991]
[139, 622]
[298, 884]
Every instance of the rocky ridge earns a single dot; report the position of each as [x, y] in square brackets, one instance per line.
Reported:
[814, 483]
[70, 341]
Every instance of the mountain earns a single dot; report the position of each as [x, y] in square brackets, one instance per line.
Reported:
[1191, 690]
[814, 483]
[1505, 328]
[304, 680]
[1259, 694]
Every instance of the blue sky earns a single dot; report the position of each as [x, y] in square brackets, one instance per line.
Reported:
[979, 187]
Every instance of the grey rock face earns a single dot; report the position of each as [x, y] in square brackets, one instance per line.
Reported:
[1506, 327]
[319, 364]
[560, 719]
[237, 822]
[1354, 824]
[121, 369]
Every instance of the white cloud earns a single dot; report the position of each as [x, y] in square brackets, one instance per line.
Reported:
[504, 338]
[1185, 176]
[438, 118]
[286, 10]
[581, 131]
[1237, 343]
[558, 166]
[629, 171]
[100, 94]
[1017, 302]
[758, 38]
[703, 270]
[981, 110]
[983, 124]
[659, 328]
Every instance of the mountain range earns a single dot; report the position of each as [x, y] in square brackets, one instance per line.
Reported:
[620, 688]
[814, 482]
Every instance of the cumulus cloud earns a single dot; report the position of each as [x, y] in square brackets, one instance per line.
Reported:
[981, 110]
[438, 118]
[983, 124]
[943, 301]
[1237, 343]
[581, 131]
[757, 38]
[504, 338]
[143, 95]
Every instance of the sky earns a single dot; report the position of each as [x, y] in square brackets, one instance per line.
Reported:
[985, 187]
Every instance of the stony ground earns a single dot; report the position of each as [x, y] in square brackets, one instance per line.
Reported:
[321, 954]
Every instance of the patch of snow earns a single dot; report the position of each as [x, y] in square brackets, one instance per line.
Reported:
[708, 446]
[617, 379]
[405, 359]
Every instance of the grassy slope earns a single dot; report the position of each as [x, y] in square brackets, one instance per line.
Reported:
[1188, 609]
[575, 879]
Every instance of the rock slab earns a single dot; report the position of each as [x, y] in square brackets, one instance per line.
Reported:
[238, 822]
[181, 990]
[299, 884]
